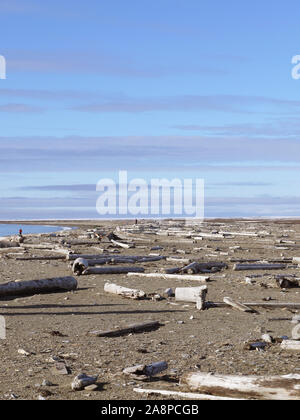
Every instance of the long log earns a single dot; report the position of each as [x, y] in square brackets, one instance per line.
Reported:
[72, 257]
[184, 395]
[238, 267]
[134, 328]
[12, 249]
[41, 258]
[255, 387]
[112, 270]
[37, 286]
[9, 244]
[267, 305]
[171, 276]
[124, 291]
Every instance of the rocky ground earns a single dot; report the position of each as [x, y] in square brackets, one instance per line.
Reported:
[43, 329]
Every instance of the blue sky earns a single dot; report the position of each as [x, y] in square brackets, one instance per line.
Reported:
[169, 88]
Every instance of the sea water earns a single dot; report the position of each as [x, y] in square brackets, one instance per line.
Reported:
[13, 229]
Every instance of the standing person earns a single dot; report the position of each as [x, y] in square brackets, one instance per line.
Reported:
[21, 237]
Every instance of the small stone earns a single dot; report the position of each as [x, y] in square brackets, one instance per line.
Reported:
[24, 352]
[47, 383]
[267, 338]
[92, 387]
[81, 381]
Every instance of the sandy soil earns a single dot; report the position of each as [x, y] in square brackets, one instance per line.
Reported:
[189, 340]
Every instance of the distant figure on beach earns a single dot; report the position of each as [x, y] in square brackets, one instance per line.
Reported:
[21, 238]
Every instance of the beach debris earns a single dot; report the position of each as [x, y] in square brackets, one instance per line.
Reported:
[237, 305]
[80, 264]
[267, 338]
[81, 381]
[60, 368]
[133, 328]
[9, 244]
[112, 270]
[184, 395]
[122, 244]
[24, 352]
[238, 267]
[285, 387]
[16, 288]
[256, 345]
[141, 372]
[124, 291]
[202, 279]
[286, 282]
[169, 292]
[190, 294]
[293, 345]
[200, 301]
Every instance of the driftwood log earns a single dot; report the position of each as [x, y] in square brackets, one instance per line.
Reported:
[122, 245]
[134, 328]
[171, 276]
[267, 305]
[124, 291]
[237, 305]
[293, 345]
[239, 267]
[112, 270]
[265, 387]
[9, 244]
[183, 395]
[37, 286]
[190, 294]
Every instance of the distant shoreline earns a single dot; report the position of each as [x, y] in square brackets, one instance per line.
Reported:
[93, 222]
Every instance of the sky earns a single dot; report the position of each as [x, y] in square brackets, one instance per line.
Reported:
[185, 89]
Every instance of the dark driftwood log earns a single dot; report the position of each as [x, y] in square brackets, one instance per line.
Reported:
[134, 328]
[238, 267]
[40, 258]
[9, 244]
[37, 286]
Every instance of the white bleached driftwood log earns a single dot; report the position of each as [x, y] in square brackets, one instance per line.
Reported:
[122, 245]
[124, 291]
[184, 395]
[290, 345]
[112, 270]
[171, 276]
[254, 387]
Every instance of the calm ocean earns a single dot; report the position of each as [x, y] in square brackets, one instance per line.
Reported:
[6, 230]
